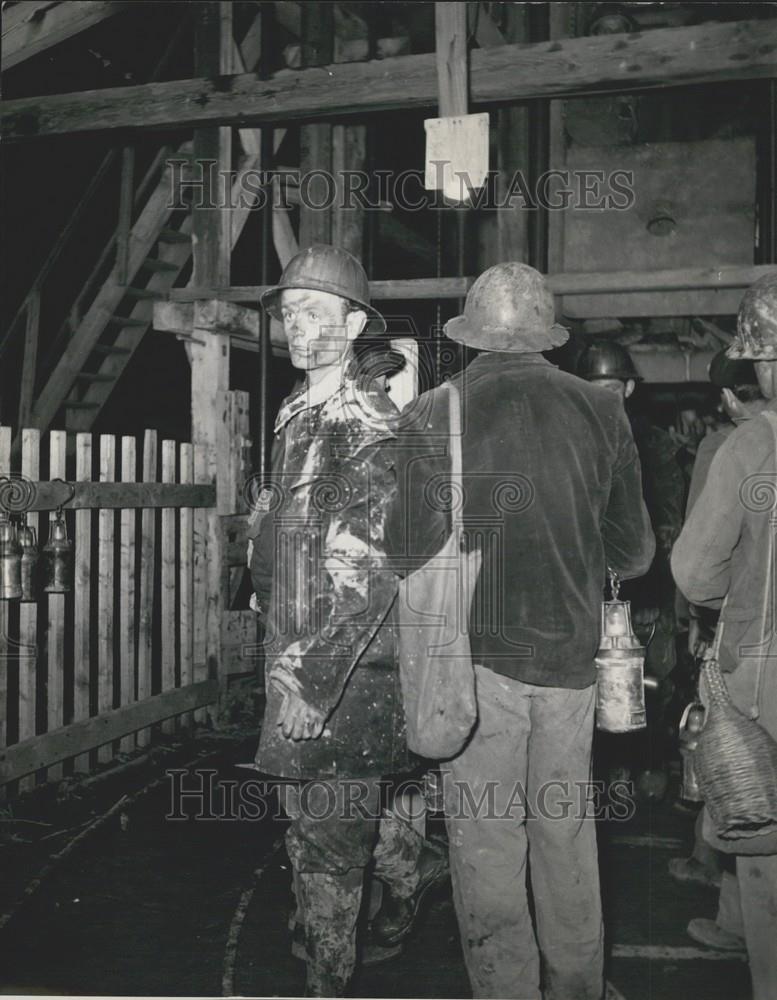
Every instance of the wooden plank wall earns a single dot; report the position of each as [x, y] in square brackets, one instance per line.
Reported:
[100, 653]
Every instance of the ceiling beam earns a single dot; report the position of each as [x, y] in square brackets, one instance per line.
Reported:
[32, 27]
[571, 283]
[665, 57]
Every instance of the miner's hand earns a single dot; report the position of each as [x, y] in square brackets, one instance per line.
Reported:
[298, 720]
[697, 645]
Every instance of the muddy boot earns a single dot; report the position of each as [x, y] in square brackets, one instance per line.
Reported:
[708, 933]
[395, 919]
[692, 870]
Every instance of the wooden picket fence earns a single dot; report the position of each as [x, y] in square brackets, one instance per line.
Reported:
[85, 676]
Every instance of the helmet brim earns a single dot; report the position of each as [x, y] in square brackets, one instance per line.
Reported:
[621, 375]
[739, 352]
[507, 339]
[270, 300]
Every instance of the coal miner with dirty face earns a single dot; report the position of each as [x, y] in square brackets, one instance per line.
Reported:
[334, 723]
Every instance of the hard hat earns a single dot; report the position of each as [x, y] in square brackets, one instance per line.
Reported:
[325, 268]
[509, 308]
[728, 374]
[606, 359]
[756, 337]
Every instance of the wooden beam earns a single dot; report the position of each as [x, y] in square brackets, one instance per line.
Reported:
[243, 325]
[95, 496]
[68, 741]
[705, 53]
[215, 316]
[583, 283]
[32, 27]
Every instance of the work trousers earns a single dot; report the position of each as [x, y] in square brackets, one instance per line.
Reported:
[531, 742]
[747, 906]
[333, 835]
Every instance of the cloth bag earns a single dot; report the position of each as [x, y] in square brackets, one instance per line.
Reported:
[433, 602]
[736, 758]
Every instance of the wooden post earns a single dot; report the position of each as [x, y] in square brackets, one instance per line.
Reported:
[512, 156]
[200, 556]
[450, 33]
[55, 684]
[28, 616]
[315, 224]
[185, 578]
[238, 628]
[559, 21]
[211, 216]
[209, 353]
[105, 584]
[210, 382]
[168, 581]
[128, 529]
[146, 601]
[82, 624]
[349, 154]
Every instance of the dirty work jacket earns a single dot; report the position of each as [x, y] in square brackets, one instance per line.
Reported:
[723, 550]
[552, 493]
[319, 570]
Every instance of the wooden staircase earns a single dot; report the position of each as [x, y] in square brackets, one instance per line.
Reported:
[113, 326]
[97, 342]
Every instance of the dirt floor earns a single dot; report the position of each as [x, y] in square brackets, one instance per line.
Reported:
[151, 905]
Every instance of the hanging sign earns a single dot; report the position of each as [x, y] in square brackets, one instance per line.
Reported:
[456, 155]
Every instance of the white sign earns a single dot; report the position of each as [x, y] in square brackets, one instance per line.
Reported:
[456, 155]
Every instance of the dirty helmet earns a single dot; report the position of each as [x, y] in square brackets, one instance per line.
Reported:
[509, 308]
[756, 338]
[606, 359]
[324, 268]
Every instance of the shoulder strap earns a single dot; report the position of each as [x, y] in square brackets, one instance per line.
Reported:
[454, 432]
[755, 711]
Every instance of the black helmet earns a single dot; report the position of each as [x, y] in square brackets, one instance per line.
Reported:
[606, 359]
[728, 374]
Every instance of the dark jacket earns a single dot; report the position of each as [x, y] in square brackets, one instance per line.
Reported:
[552, 494]
[319, 571]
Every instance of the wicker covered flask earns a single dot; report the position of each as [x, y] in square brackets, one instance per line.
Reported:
[736, 758]
[736, 765]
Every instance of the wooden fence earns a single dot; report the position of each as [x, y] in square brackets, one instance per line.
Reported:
[88, 674]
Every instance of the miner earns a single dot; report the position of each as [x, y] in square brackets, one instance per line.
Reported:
[333, 724]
